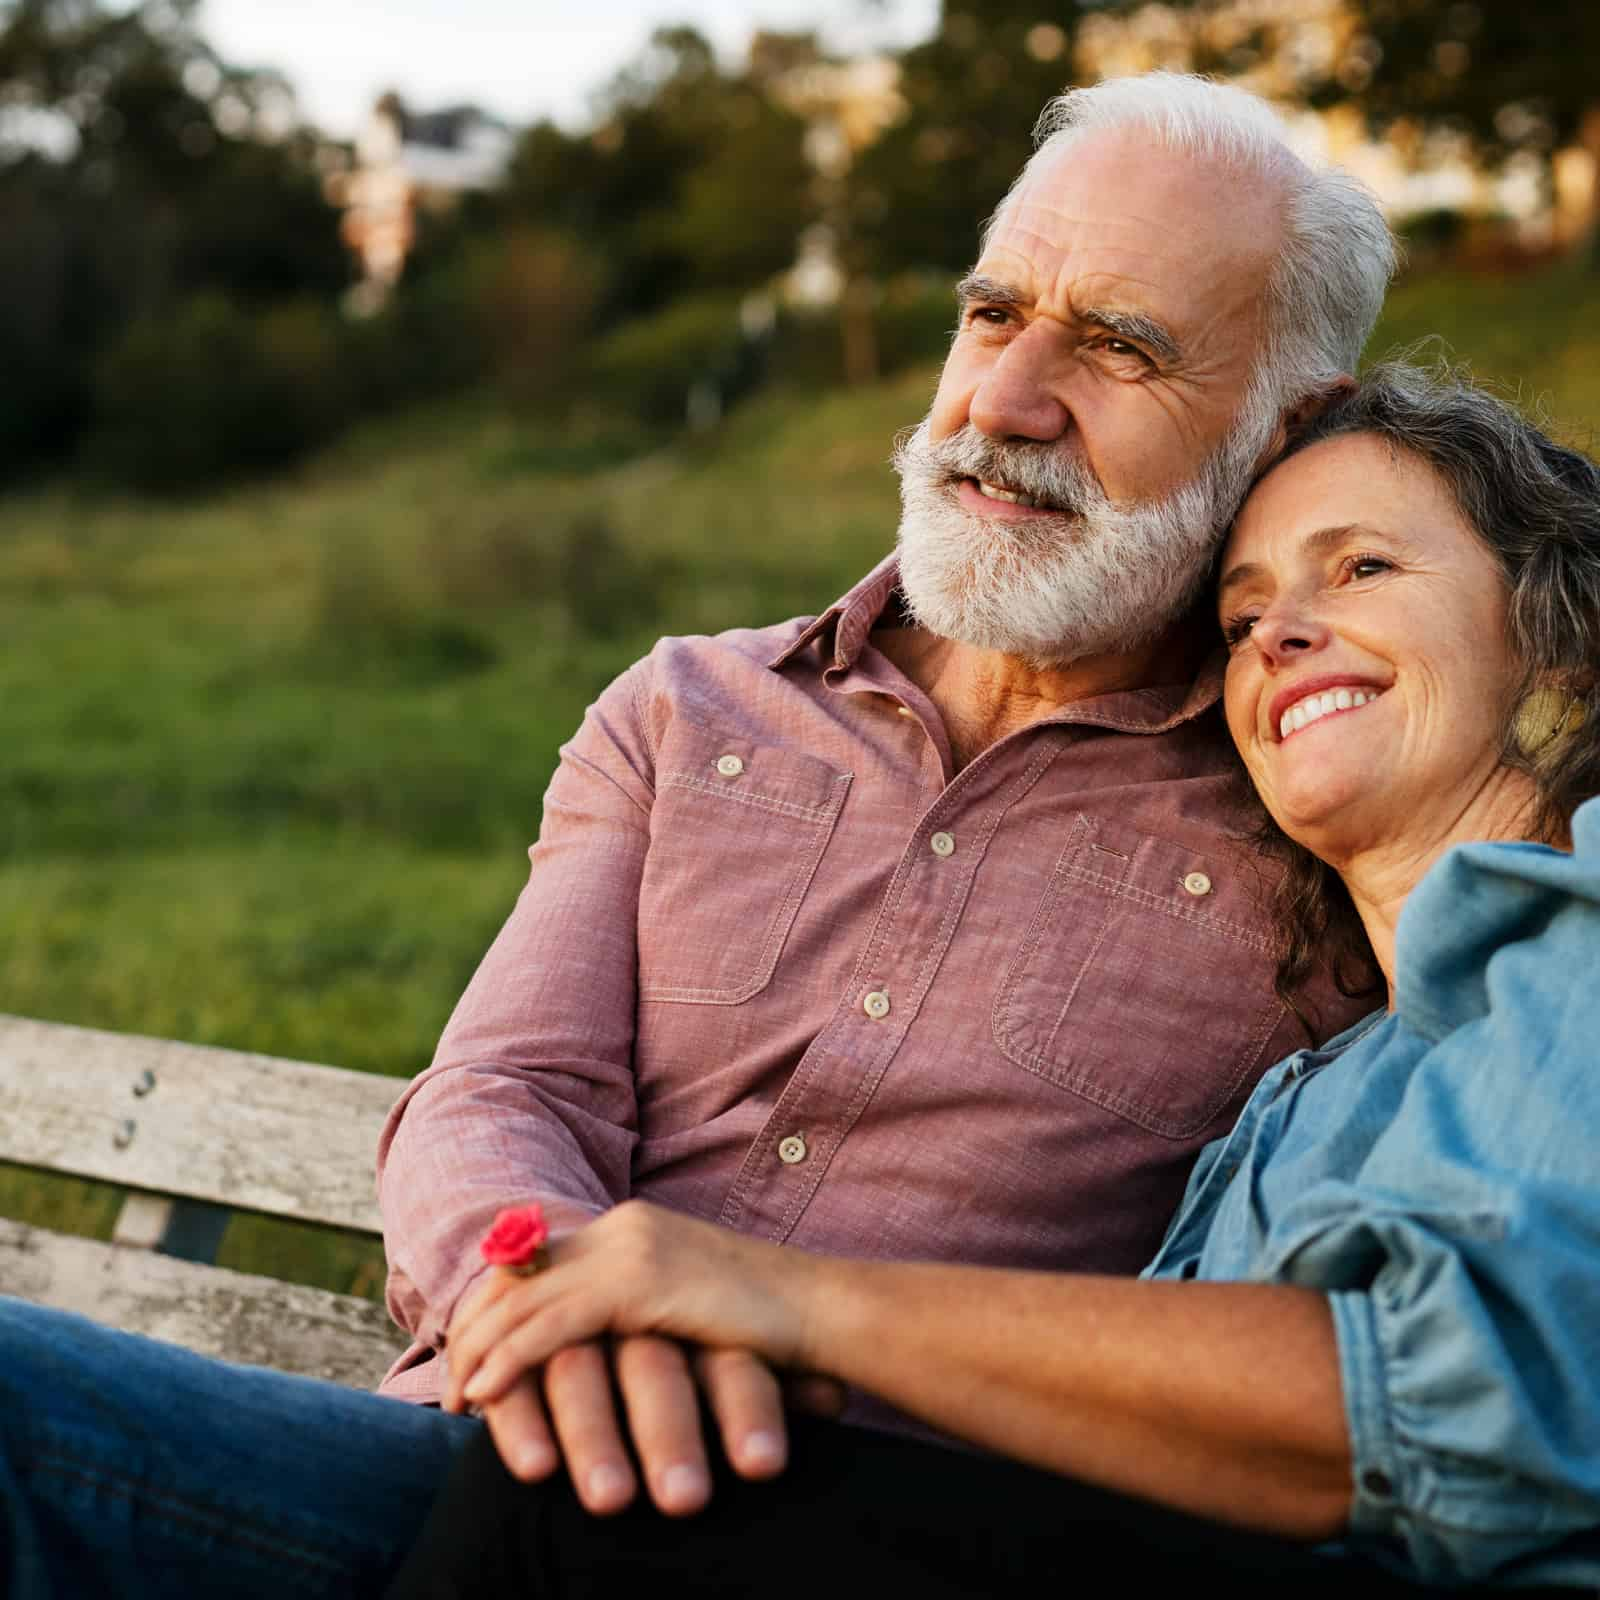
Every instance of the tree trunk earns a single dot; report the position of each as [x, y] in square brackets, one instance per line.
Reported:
[859, 332]
[1588, 238]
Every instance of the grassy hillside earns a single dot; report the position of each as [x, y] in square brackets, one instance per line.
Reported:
[275, 757]
[1535, 334]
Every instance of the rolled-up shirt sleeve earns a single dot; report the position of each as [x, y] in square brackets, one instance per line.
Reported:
[1462, 1256]
[530, 1095]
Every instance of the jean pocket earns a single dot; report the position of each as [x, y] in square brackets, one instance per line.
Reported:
[1144, 981]
[736, 833]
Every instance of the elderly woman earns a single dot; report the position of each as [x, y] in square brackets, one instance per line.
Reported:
[1375, 1319]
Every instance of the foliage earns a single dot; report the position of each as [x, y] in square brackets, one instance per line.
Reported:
[918, 197]
[210, 391]
[1503, 80]
[137, 174]
[692, 180]
[529, 299]
[1516, 77]
[646, 368]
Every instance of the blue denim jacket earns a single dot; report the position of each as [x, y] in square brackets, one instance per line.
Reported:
[1437, 1172]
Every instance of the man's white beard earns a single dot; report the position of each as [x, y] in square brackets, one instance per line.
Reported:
[1097, 577]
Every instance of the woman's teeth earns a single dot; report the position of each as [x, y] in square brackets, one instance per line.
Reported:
[992, 491]
[1322, 705]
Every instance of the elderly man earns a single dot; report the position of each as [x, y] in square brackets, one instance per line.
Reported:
[915, 930]
[912, 930]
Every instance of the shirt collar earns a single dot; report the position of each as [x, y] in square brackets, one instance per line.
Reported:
[852, 617]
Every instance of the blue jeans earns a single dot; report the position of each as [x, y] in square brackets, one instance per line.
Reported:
[135, 1469]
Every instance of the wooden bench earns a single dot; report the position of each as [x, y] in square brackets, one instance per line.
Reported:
[194, 1133]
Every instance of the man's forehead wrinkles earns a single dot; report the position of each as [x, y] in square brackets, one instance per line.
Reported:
[1059, 226]
[1068, 277]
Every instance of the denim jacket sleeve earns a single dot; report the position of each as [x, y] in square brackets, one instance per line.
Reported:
[1465, 1251]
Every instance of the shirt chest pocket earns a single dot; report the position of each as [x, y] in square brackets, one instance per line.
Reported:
[736, 833]
[1144, 981]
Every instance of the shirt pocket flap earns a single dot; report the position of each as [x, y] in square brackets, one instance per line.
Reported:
[1144, 981]
[736, 833]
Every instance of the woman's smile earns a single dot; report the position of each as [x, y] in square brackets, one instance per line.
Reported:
[1304, 704]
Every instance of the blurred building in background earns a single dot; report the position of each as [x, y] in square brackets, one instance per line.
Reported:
[406, 161]
[846, 107]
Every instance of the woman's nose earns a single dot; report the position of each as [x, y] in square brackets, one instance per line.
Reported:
[1286, 632]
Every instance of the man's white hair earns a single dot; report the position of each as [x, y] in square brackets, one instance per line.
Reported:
[1337, 255]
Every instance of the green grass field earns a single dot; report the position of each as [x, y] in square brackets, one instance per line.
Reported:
[275, 757]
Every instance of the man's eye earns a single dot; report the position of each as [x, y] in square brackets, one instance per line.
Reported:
[1367, 566]
[1123, 350]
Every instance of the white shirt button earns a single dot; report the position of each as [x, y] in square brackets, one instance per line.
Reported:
[729, 766]
[905, 711]
[876, 1005]
[1197, 883]
[792, 1151]
[943, 844]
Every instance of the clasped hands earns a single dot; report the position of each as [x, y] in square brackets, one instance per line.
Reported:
[638, 1315]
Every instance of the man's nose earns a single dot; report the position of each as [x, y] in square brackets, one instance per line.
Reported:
[1019, 395]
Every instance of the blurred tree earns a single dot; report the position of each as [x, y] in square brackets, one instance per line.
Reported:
[917, 197]
[136, 171]
[528, 298]
[1517, 79]
[692, 180]
[1512, 80]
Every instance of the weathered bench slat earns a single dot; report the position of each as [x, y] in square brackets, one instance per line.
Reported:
[233, 1315]
[251, 1131]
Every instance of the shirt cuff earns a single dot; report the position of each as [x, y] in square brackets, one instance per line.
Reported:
[1377, 1511]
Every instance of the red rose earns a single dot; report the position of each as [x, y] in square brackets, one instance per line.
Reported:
[516, 1238]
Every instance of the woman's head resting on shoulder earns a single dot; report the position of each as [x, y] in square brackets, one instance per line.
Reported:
[1411, 603]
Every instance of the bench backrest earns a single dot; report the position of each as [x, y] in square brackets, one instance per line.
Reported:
[253, 1132]
[179, 1124]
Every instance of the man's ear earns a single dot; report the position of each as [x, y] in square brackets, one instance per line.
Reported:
[1302, 415]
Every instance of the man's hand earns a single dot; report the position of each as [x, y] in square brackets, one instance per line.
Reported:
[565, 1408]
[570, 1412]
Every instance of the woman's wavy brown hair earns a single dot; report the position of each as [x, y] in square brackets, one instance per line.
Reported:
[1535, 504]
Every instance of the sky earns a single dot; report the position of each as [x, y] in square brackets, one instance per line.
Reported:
[521, 59]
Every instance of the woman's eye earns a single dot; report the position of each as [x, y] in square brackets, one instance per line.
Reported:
[1235, 630]
[1367, 566]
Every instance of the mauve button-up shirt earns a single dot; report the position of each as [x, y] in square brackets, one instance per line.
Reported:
[780, 966]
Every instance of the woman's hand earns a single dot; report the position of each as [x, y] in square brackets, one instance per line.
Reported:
[548, 1398]
[636, 1270]
[1222, 1399]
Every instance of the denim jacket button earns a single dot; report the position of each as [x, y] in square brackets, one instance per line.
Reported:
[1377, 1484]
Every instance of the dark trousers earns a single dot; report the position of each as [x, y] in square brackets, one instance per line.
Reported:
[854, 1512]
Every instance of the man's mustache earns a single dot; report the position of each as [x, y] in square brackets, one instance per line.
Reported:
[1040, 471]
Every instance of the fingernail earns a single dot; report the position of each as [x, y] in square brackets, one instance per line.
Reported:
[474, 1390]
[761, 1450]
[607, 1485]
[683, 1485]
[535, 1460]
